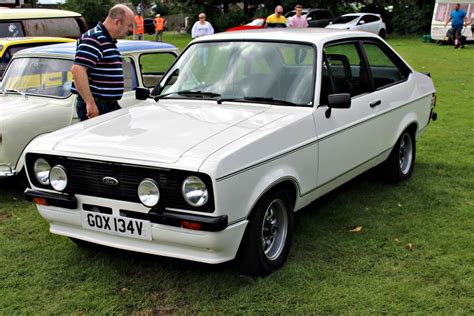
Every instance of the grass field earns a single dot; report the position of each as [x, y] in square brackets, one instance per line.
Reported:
[329, 269]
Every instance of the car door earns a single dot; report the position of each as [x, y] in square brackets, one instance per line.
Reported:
[370, 23]
[348, 138]
[393, 89]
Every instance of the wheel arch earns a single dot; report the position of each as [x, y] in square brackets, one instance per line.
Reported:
[288, 184]
[410, 123]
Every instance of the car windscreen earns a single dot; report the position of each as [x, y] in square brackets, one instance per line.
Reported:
[38, 76]
[278, 72]
[345, 19]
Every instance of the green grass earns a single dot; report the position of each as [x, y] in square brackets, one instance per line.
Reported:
[329, 269]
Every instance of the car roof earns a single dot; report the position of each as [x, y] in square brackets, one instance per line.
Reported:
[33, 39]
[21, 14]
[318, 36]
[360, 14]
[69, 49]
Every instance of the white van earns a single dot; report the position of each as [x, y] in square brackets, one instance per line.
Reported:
[441, 13]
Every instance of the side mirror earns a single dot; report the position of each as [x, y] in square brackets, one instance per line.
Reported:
[361, 22]
[309, 18]
[338, 101]
[142, 93]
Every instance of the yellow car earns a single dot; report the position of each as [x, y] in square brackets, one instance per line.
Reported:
[10, 45]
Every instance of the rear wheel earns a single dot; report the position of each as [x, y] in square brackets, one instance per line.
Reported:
[268, 236]
[400, 163]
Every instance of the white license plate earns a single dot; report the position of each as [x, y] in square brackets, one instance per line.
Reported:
[116, 225]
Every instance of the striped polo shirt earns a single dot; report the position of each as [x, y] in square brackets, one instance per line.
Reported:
[97, 51]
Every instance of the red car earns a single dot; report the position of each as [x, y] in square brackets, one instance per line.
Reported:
[256, 23]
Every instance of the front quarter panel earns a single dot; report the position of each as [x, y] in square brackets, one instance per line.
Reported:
[245, 169]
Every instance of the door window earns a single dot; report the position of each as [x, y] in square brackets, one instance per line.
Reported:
[343, 71]
[370, 18]
[154, 66]
[386, 69]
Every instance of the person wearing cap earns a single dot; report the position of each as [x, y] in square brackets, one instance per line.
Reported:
[277, 19]
[160, 24]
[139, 26]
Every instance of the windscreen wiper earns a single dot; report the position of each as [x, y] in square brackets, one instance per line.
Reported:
[266, 100]
[23, 93]
[194, 93]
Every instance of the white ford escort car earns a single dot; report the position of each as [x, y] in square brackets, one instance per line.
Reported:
[242, 131]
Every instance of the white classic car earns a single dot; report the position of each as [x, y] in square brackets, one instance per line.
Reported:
[35, 92]
[367, 22]
[242, 131]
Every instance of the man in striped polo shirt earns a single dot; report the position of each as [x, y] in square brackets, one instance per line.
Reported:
[97, 70]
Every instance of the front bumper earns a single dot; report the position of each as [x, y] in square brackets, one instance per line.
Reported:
[6, 171]
[218, 243]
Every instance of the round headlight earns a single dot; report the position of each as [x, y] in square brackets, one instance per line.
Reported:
[194, 191]
[148, 192]
[41, 169]
[58, 178]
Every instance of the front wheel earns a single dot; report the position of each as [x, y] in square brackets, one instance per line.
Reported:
[400, 163]
[268, 236]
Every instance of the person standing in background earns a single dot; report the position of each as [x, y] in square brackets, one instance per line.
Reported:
[201, 27]
[160, 24]
[98, 70]
[277, 19]
[298, 21]
[457, 19]
[139, 26]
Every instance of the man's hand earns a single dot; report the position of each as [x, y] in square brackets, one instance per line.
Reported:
[92, 110]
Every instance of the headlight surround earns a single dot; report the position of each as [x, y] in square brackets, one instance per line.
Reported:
[58, 178]
[194, 191]
[41, 169]
[148, 192]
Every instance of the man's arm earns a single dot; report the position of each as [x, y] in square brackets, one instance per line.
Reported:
[447, 22]
[81, 83]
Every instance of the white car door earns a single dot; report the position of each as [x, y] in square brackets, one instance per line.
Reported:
[348, 138]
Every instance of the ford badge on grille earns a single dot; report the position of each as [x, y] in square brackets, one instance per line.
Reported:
[110, 181]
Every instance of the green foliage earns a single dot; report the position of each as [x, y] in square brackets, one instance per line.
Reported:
[93, 11]
[412, 18]
[162, 8]
[230, 19]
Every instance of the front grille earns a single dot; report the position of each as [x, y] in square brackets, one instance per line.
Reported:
[85, 178]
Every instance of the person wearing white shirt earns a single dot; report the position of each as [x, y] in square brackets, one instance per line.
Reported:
[202, 27]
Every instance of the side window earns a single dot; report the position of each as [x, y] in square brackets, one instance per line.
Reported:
[129, 75]
[343, 71]
[153, 66]
[11, 29]
[383, 67]
[370, 18]
[441, 12]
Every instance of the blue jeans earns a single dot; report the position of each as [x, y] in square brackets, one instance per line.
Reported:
[104, 106]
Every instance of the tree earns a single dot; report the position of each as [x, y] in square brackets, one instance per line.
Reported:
[93, 11]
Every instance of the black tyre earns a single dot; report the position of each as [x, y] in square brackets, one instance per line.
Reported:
[268, 236]
[400, 163]
[382, 33]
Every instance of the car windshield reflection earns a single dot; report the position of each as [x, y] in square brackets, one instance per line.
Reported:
[39, 76]
[243, 72]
